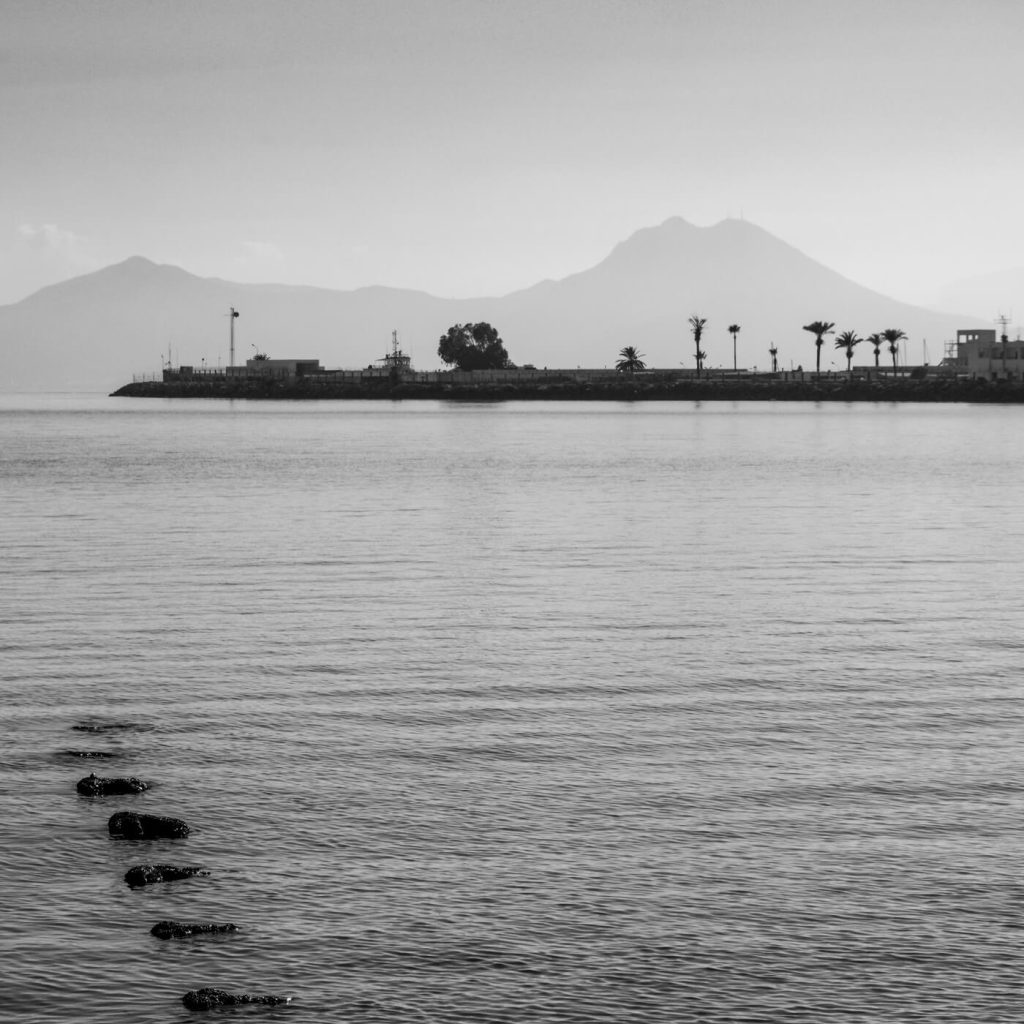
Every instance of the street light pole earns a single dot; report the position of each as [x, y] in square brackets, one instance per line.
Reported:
[233, 316]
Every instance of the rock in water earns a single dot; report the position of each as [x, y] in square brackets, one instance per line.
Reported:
[129, 825]
[211, 998]
[92, 785]
[180, 930]
[147, 874]
[103, 727]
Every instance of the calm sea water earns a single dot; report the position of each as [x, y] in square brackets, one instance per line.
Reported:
[525, 712]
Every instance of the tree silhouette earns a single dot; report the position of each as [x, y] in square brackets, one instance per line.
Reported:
[849, 341]
[819, 328]
[894, 336]
[474, 347]
[630, 361]
[734, 329]
[876, 340]
[697, 327]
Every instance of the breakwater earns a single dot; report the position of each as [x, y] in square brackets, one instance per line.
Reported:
[744, 389]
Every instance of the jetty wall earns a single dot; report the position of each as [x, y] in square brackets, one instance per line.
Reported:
[597, 388]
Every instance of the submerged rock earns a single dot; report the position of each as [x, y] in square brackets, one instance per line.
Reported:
[104, 726]
[92, 785]
[129, 825]
[147, 874]
[180, 930]
[211, 998]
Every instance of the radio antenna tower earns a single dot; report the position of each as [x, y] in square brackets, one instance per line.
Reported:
[1003, 320]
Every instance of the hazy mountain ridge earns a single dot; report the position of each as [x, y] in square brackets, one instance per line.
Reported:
[95, 331]
[1000, 293]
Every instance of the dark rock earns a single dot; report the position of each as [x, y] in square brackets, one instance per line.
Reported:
[179, 930]
[147, 874]
[129, 825]
[91, 785]
[103, 727]
[211, 998]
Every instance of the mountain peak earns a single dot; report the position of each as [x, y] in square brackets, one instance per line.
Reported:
[136, 271]
[136, 263]
[648, 243]
[139, 268]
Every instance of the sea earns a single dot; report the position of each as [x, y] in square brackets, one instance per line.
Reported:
[548, 712]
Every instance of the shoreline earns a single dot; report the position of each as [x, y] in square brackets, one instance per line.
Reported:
[614, 390]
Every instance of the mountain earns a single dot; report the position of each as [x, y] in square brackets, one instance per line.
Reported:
[94, 332]
[987, 296]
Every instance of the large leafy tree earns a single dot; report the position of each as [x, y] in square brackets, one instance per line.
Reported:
[819, 328]
[697, 327]
[894, 336]
[473, 347]
[849, 341]
[630, 361]
[734, 329]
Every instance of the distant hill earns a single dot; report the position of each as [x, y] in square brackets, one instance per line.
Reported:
[987, 296]
[94, 332]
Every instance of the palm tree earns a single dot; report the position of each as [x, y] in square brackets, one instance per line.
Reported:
[849, 341]
[819, 328]
[630, 361]
[894, 336]
[876, 340]
[697, 327]
[774, 353]
[734, 329]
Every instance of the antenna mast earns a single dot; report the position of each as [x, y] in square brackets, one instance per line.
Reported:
[1003, 320]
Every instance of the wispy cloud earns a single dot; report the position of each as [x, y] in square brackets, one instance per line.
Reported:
[35, 255]
[56, 239]
[258, 261]
[262, 251]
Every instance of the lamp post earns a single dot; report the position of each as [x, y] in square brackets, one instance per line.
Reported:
[233, 315]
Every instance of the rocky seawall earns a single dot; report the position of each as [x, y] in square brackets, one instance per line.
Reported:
[831, 389]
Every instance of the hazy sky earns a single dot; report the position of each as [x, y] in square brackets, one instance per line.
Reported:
[473, 147]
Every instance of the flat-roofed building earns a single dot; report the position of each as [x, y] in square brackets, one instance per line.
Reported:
[282, 368]
[979, 353]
